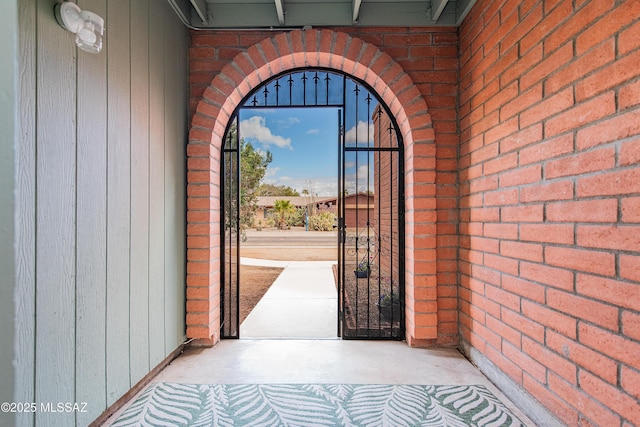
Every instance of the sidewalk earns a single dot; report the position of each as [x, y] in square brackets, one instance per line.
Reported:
[301, 303]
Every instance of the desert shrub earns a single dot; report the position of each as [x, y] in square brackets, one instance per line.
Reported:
[322, 221]
[296, 219]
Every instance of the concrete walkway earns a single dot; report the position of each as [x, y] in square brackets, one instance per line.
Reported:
[301, 303]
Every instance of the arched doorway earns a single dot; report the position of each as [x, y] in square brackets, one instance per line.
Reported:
[286, 51]
[370, 270]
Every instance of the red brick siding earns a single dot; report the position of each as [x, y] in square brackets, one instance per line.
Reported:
[549, 186]
[415, 72]
[387, 194]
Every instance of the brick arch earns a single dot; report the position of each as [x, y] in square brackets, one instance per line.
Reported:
[284, 52]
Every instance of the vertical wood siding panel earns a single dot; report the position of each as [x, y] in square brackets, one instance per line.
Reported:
[181, 116]
[118, 199]
[26, 205]
[92, 202]
[156, 186]
[172, 182]
[91, 238]
[55, 230]
[9, 131]
[139, 306]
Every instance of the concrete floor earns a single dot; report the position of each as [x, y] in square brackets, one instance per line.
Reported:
[248, 361]
[324, 361]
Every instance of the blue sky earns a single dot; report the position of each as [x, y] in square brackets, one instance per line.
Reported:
[304, 145]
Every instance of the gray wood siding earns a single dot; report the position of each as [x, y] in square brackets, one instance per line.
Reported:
[175, 165]
[25, 211]
[156, 183]
[139, 308]
[118, 198]
[8, 203]
[100, 225]
[55, 217]
[91, 234]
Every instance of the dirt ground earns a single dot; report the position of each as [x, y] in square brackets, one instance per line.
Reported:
[363, 316]
[256, 281]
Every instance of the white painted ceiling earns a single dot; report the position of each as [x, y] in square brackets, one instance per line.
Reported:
[304, 13]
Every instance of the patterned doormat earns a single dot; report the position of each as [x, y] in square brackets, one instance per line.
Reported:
[172, 404]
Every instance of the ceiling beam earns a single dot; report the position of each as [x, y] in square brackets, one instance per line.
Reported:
[462, 9]
[200, 7]
[182, 9]
[300, 13]
[356, 10]
[280, 11]
[437, 7]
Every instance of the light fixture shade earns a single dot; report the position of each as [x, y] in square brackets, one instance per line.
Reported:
[68, 16]
[89, 35]
[88, 26]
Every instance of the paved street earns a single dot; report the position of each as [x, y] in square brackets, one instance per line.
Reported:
[296, 237]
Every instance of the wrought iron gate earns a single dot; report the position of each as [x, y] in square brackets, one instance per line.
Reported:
[370, 214]
[231, 232]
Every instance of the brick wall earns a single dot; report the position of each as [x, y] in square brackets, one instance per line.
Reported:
[387, 191]
[430, 59]
[550, 201]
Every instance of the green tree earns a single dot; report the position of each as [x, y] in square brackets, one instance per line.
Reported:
[283, 209]
[276, 190]
[253, 167]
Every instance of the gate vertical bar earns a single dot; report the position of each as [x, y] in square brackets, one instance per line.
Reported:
[237, 194]
[230, 273]
[340, 231]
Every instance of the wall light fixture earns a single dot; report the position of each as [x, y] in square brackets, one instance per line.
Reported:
[87, 26]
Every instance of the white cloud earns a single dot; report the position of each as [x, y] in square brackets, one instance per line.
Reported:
[363, 171]
[271, 171]
[357, 181]
[313, 132]
[255, 129]
[362, 129]
[288, 122]
[326, 187]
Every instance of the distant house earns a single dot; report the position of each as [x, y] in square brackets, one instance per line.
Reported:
[359, 207]
[266, 203]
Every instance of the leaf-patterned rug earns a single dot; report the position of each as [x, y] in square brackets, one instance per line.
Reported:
[172, 404]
